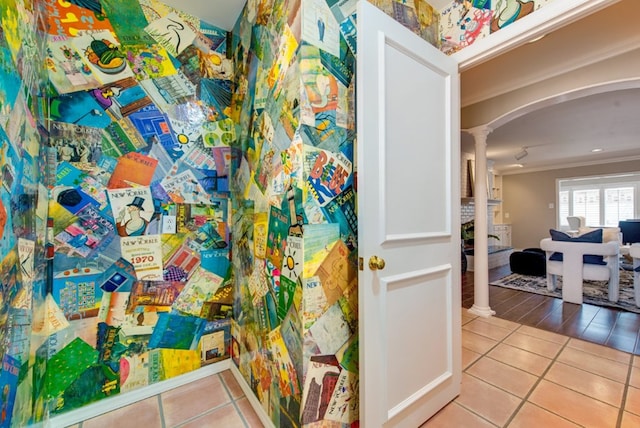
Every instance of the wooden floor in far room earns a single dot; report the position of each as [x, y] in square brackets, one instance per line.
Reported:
[610, 327]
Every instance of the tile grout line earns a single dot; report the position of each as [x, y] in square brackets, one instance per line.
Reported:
[541, 376]
[200, 415]
[542, 302]
[474, 413]
[470, 365]
[234, 401]
[613, 327]
[567, 322]
[483, 355]
[535, 385]
[625, 385]
[515, 309]
[592, 321]
[625, 392]
[211, 409]
[163, 424]
[612, 360]
[579, 334]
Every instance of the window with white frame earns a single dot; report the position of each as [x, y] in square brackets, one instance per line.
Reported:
[602, 200]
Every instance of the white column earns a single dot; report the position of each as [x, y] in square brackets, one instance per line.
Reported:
[481, 230]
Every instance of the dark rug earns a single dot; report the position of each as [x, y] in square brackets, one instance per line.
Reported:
[594, 292]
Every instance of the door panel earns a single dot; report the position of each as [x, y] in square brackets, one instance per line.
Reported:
[408, 203]
[430, 330]
[405, 149]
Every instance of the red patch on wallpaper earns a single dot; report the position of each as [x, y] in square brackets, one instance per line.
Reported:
[3, 219]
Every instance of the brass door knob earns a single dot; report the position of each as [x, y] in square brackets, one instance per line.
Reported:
[376, 263]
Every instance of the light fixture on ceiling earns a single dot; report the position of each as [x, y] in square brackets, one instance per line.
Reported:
[537, 38]
[518, 165]
[598, 150]
[521, 154]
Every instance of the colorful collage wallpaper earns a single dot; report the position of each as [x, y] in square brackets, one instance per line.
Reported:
[174, 195]
[116, 155]
[466, 21]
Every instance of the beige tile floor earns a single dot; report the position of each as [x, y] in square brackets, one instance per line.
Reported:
[522, 377]
[513, 376]
[214, 401]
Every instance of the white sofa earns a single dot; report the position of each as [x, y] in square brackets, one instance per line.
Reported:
[634, 251]
[574, 271]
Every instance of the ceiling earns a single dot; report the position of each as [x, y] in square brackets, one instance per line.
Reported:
[220, 13]
[563, 132]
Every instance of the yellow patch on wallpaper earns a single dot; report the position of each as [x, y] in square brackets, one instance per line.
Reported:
[178, 361]
[149, 61]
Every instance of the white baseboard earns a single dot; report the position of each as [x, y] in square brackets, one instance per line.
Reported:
[124, 399]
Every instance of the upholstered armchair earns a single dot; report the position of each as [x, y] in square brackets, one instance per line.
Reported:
[576, 222]
[579, 258]
[634, 251]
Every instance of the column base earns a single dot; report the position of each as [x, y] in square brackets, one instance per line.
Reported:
[481, 311]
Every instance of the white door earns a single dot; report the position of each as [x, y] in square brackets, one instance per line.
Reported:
[408, 163]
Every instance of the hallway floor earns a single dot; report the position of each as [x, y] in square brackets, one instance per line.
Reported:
[514, 376]
[610, 327]
[523, 368]
[214, 401]
[518, 376]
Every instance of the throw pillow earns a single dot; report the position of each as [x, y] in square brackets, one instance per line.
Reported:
[608, 233]
[594, 237]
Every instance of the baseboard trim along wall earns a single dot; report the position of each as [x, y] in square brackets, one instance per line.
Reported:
[127, 398]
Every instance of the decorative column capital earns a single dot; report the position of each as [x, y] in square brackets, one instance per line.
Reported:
[479, 133]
